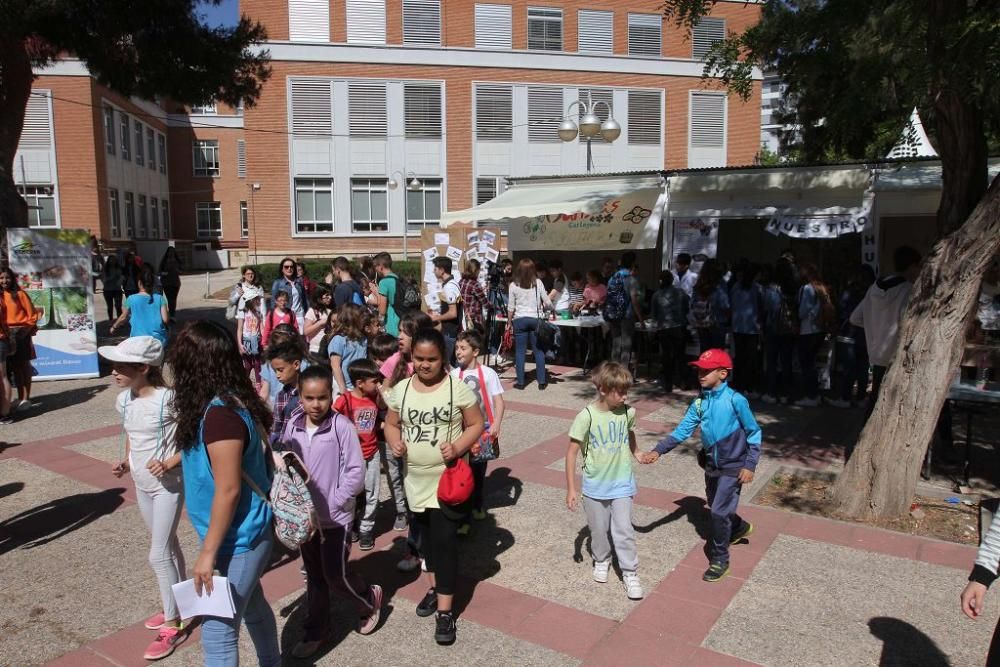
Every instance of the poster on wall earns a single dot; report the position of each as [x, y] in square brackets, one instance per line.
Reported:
[698, 237]
[53, 268]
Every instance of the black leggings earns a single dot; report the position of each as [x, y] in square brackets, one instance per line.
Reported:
[439, 546]
[170, 292]
[113, 299]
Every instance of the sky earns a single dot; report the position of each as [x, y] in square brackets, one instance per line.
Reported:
[225, 14]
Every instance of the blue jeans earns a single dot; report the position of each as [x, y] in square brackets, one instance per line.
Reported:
[524, 335]
[220, 636]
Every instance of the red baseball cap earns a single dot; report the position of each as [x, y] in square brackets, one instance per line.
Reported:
[712, 359]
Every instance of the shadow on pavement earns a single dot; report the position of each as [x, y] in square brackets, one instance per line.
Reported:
[47, 523]
[691, 508]
[11, 489]
[903, 644]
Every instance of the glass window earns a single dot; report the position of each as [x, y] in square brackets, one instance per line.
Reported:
[154, 218]
[208, 216]
[313, 206]
[116, 216]
[41, 202]
[202, 109]
[645, 34]
[142, 231]
[369, 205]
[422, 22]
[162, 141]
[244, 221]
[166, 218]
[129, 215]
[545, 29]
[206, 157]
[151, 147]
[423, 207]
[126, 137]
[109, 130]
[139, 150]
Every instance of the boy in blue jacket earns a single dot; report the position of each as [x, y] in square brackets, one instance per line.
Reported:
[730, 450]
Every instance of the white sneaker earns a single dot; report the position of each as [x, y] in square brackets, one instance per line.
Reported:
[807, 403]
[838, 402]
[767, 398]
[633, 589]
[601, 571]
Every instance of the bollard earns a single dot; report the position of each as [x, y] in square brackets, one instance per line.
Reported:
[208, 285]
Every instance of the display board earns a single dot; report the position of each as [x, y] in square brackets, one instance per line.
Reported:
[53, 268]
[698, 237]
[460, 243]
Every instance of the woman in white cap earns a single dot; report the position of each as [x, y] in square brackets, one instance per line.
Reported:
[151, 454]
[249, 327]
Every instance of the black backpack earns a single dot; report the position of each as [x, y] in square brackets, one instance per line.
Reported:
[407, 296]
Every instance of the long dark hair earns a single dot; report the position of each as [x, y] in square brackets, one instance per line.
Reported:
[206, 363]
[146, 280]
[13, 280]
[171, 251]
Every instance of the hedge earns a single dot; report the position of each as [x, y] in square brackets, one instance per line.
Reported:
[318, 268]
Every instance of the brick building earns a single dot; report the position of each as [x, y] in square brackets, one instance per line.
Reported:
[367, 94]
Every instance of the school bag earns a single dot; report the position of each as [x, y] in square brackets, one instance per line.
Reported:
[407, 296]
[616, 302]
[786, 321]
[294, 514]
[700, 312]
[488, 447]
[827, 319]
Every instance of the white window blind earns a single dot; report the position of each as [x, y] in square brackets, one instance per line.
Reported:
[493, 26]
[366, 21]
[37, 130]
[486, 189]
[494, 113]
[312, 112]
[309, 20]
[595, 31]
[241, 158]
[594, 95]
[545, 110]
[706, 33]
[645, 34]
[644, 117]
[422, 22]
[545, 29]
[422, 110]
[707, 137]
[366, 109]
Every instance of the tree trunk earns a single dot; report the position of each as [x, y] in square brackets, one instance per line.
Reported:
[15, 89]
[881, 477]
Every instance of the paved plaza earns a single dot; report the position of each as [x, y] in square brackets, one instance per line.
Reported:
[76, 585]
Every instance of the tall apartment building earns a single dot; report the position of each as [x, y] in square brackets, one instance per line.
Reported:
[366, 94]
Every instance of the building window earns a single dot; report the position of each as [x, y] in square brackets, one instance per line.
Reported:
[203, 109]
[312, 110]
[366, 21]
[142, 231]
[41, 205]
[154, 218]
[366, 110]
[241, 158]
[129, 216]
[422, 22]
[208, 216]
[644, 117]
[244, 221]
[309, 20]
[116, 216]
[151, 147]
[494, 113]
[422, 110]
[493, 26]
[545, 108]
[545, 29]
[486, 189]
[595, 31]
[705, 34]
[313, 205]
[166, 218]
[126, 137]
[162, 141]
[707, 134]
[206, 157]
[645, 34]
[594, 95]
[109, 130]
[423, 207]
[139, 150]
[369, 206]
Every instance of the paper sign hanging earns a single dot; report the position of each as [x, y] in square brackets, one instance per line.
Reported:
[455, 254]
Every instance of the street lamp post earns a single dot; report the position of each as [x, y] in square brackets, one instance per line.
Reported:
[590, 126]
[414, 185]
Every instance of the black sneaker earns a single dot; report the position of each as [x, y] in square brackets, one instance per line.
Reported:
[444, 631]
[355, 536]
[367, 541]
[715, 572]
[429, 604]
[743, 534]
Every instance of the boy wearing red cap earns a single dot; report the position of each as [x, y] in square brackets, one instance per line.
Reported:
[730, 440]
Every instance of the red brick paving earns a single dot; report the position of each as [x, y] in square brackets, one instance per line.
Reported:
[667, 628]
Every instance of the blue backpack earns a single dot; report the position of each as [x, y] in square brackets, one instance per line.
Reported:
[617, 301]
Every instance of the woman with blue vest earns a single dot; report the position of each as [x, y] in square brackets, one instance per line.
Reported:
[220, 424]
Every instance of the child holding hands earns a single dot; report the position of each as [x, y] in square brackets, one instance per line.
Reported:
[604, 433]
[730, 450]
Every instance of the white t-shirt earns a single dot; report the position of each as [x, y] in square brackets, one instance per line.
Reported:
[317, 338]
[530, 302]
[450, 292]
[471, 379]
[151, 427]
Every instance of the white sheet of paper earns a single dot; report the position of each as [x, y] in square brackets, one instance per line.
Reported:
[454, 253]
[442, 238]
[489, 237]
[432, 301]
[219, 603]
[473, 238]
[493, 255]
[430, 254]
[483, 247]
[456, 273]
[472, 254]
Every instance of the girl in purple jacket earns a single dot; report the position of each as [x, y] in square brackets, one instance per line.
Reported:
[328, 446]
